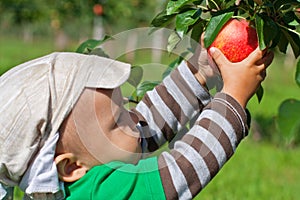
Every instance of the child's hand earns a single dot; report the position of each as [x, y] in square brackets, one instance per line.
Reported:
[199, 65]
[242, 79]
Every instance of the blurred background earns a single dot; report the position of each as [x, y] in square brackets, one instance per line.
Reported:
[61, 25]
[265, 165]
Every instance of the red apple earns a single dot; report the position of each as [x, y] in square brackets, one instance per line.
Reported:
[98, 9]
[237, 39]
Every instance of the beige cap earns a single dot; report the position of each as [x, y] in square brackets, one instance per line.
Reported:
[35, 98]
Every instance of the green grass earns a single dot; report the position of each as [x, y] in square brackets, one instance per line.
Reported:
[14, 52]
[278, 86]
[258, 170]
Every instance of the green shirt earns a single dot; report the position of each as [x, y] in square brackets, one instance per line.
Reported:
[117, 180]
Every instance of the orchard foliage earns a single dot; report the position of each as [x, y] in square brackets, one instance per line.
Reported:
[276, 21]
[277, 25]
[62, 14]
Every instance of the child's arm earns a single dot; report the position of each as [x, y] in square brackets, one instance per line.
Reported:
[178, 99]
[198, 156]
[201, 153]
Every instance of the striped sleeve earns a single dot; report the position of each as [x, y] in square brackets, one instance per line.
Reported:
[166, 109]
[200, 154]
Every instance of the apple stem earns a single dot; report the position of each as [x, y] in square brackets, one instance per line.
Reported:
[202, 7]
[238, 17]
[217, 6]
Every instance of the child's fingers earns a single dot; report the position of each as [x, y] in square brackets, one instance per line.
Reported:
[202, 39]
[219, 57]
[267, 59]
[263, 75]
[265, 63]
[254, 56]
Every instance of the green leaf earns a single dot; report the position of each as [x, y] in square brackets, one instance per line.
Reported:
[294, 23]
[259, 24]
[270, 30]
[172, 66]
[297, 76]
[90, 44]
[184, 20]
[282, 43]
[289, 17]
[167, 72]
[251, 3]
[230, 3]
[162, 19]
[174, 6]
[136, 76]
[214, 26]
[197, 31]
[132, 99]
[144, 87]
[173, 41]
[266, 29]
[288, 119]
[293, 39]
[98, 52]
[276, 40]
[260, 93]
[278, 4]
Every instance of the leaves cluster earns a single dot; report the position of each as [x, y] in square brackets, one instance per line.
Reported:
[276, 21]
[277, 25]
[92, 47]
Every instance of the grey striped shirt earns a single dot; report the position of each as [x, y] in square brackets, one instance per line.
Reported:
[221, 123]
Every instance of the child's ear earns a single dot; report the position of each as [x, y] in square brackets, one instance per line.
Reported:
[69, 168]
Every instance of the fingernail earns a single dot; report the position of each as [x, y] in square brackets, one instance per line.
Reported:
[212, 50]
